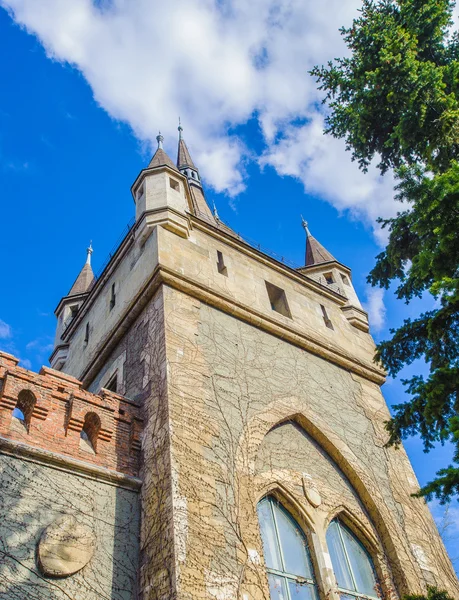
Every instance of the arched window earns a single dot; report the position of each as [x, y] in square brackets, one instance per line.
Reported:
[353, 567]
[24, 407]
[90, 432]
[286, 553]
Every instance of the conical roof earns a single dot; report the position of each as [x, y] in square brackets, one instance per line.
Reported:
[86, 277]
[160, 159]
[315, 252]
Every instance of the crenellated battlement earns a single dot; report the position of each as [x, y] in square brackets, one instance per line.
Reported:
[53, 412]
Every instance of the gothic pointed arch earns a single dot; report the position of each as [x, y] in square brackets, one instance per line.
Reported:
[285, 410]
[284, 496]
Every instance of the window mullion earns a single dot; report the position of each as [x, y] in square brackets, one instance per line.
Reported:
[347, 556]
[276, 528]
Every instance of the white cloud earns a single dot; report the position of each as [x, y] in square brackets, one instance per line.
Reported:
[40, 345]
[375, 308]
[25, 362]
[217, 64]
[5, 330]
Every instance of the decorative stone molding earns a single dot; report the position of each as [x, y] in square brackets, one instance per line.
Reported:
[356, 317]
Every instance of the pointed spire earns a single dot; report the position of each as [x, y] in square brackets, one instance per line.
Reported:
[315, 252]
[85, 279]
[160, 158]
[184, 159]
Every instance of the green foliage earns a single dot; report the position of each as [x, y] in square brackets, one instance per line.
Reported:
[397, 98]
[433, 593]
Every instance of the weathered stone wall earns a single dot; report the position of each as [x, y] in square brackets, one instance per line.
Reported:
[141, 356]
[229, 383]
[34, 495]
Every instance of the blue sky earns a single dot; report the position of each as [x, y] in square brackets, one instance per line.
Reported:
[75, 132]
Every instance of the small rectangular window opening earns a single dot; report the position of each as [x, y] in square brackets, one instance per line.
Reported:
[327, 321]
[329, 278]
[140, 191]
[278, 299]
[345, 279]
[112, 383]
[174, 184]
[86, 334]
[221, 264]
[113, 297]
[73, 310]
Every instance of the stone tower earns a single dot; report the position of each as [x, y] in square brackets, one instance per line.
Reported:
[238, 403]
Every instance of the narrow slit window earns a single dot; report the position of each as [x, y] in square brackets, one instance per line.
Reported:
[327, 320]
[221, 264]
[112, 384]
[174, 184]
[86, 333]
[113, 297]
[345, 279]
[278, 300]
[140, 191]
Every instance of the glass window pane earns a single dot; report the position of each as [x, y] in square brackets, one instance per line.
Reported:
[277, 587]
[301, 592]
[361, 564]
[293, 544]
[268, 536]
[338, 558]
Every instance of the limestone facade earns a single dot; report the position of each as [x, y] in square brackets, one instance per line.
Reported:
[239, 378]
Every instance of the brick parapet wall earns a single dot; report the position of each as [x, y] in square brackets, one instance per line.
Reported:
[59, 410]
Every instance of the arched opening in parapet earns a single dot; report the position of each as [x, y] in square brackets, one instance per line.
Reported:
[24, 408]
[90, 433]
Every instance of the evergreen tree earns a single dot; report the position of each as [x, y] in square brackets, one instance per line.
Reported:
[396, 97]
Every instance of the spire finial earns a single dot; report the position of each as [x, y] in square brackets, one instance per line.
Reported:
[215, 213]
[180, 129]
[89, 251]
[304, 223]
[160, 140]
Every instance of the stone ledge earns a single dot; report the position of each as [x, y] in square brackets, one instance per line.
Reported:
[67, 464]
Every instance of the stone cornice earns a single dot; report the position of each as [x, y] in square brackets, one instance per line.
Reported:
[276, 327]
[67, 464]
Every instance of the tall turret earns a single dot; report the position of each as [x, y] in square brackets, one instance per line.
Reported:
[68, 308]
[161, 196]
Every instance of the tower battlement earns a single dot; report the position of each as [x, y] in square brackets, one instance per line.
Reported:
[50, 410]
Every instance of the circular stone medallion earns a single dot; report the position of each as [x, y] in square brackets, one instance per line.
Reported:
[65, 547]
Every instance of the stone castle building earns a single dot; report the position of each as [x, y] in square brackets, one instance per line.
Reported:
[212, 427]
